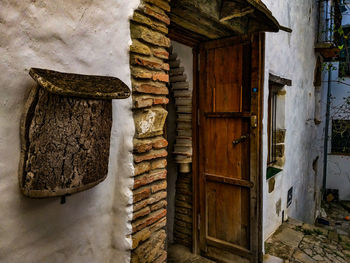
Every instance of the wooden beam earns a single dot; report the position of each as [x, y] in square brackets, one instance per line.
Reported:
[278, 80]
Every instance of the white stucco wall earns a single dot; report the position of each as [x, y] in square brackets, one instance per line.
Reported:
[338, 166]
[291, 55]
[82, 36]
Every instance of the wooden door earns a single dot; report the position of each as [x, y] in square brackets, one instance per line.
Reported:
[228, 149]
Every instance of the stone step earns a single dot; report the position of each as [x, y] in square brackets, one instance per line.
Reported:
[180, 86]
[182, 93]
[184, 133]
[178, 78]
[177, 71]
[184, 109]
[183, 102]
[174, 63]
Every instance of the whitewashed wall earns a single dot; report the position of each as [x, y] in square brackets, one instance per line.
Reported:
[291, 55]
[82, 36]
[338, 166]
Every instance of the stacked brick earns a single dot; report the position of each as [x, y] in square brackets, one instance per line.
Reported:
[149, 72]
[183, 210]
[183, 100]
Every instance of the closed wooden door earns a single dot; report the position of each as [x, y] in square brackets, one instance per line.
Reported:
[228, 153]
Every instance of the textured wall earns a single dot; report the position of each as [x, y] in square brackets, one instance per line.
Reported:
[83, 37]
[291, 55]
[338, 172]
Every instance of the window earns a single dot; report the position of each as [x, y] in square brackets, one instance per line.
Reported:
[275, 128]
[272, 130]
[341, 136]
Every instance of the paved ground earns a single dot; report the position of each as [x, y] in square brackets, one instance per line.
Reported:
[181, 254]
[297, 242]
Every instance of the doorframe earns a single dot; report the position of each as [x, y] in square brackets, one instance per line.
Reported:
[186, 39]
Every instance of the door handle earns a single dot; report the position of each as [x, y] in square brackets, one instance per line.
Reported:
[240, 139]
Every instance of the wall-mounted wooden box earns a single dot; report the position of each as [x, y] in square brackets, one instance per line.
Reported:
[65, 132]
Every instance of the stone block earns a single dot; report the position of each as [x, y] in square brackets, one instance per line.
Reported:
[148, 220]
[141, 194]
[153, 154]
[149, 36]
[157, 164]
[143, 101]
[156, 12]
[159, 186]
[140, 18]
[160, 53]
[159, 205]
[148, 62]
[140, 236]
[148, 178]
[143, 212]
[151, 249]
[160, 3]
[157, 197]
[150, 122]
[142, 167]
[150, 88]
[280, 136]
[140, 205]
[144, 145]
[138, 47]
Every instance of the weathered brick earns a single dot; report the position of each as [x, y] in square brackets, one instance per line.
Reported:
[160, 53]
[159, 186]
[140, 18]
[143, 212]
[162, 258]
[140, 205]
[143, 167]
[151, 249]
[157, 197]
[148, 62]
[141, 194]
[159, 205]
[182, 204]
[153, 154]
[183, 230]
[157, 164]
[140, 236]
[158, 225]
[148, 220]
[143, 145]
[138, 47]
[164, 77]
[150, 88]
[148, 178]
[142, 101]
[160, 3]
[156, 12]
[141, 73]
[149, 36]
[185, 218]
[184, 211]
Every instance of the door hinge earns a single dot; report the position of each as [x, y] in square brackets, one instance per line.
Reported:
[253, 121]
[199, 222]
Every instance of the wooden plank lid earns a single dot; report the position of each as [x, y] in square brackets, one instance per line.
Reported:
[78, 85]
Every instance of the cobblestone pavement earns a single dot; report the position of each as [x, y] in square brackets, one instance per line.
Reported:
[335, 214]
[297, 242]
[181, 254]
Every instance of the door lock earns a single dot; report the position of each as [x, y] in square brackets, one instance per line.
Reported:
[240, 139]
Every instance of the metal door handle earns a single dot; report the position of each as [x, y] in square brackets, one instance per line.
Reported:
[241, 139]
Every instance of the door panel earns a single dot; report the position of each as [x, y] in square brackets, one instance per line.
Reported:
[227, 172]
